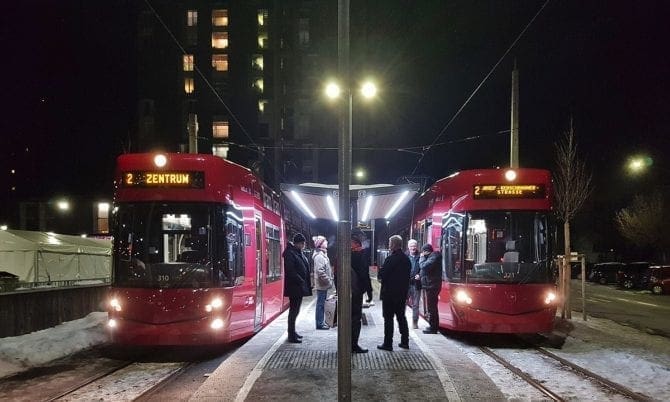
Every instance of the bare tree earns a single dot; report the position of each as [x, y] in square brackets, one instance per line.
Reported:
[643, 223]
[572, 187]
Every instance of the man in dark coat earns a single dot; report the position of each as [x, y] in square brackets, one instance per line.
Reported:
[431, 281]
[394, 276]
[296, 282]
[360, 284]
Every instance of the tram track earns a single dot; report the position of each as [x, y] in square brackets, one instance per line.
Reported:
[127, 381]
[607, 387]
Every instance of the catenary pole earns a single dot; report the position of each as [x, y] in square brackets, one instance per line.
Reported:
[344, 224]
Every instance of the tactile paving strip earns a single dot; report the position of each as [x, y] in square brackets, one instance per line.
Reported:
[373, 360]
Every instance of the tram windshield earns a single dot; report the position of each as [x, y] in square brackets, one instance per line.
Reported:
[496, 247]
[176, 245]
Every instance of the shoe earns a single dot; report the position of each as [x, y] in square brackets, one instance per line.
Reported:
[429, 331]
[297, 335]
[403, 345]
[358, 349]
[385, 347]
[415, 325]
[324, 326]
[294, 340]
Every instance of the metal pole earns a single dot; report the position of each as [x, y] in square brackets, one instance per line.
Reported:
[583, 289]
[514, 131]
[344, 225]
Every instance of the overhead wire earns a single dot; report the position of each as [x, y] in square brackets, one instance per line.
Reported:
[458, 112]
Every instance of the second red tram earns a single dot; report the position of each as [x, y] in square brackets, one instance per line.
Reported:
[494, 230]
[196, 253]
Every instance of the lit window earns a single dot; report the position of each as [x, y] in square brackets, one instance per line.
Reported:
[220, 129]
[220, 18]
[262, 16]
[262, 40]
[189, 85]
[188, 62]
[303, 31]
[219, 40]
[259, 84]
[221, 151]
[257, 62]
[192, 18]
[261, 105]
[220, 62]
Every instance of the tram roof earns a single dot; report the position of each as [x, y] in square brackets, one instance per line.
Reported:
[373, 201]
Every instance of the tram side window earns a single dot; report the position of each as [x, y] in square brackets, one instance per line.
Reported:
[452, 235]
[235, 249]
[274, 253]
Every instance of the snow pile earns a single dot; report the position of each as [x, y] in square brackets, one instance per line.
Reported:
[18, 353]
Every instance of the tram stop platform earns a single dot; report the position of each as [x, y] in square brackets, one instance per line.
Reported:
[269, 368]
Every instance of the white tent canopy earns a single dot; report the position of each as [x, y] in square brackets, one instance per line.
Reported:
[41, 257]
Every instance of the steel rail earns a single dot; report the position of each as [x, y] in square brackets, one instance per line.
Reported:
[89, 381]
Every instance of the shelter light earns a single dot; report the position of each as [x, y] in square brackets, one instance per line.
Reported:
[302, 204]
[217, 323]
[160, 160]
[510, 175]
[366, 209]
[331, 207]
[396, 204]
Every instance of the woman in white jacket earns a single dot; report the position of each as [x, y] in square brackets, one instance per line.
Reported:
[323, 278]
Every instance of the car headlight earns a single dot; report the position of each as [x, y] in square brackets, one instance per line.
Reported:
[463, 297]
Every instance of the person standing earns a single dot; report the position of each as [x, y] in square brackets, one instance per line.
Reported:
[414, 280]
[394, 276]
[360, 284]
[323, 279]
[296, 283]
[430, 264]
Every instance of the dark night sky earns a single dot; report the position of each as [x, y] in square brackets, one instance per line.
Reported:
[69, 87]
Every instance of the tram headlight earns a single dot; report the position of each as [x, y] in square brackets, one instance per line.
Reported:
[463, 297]
[111, 323]
[115, 305]
[214, 304]
[550, 297]
[217, 323]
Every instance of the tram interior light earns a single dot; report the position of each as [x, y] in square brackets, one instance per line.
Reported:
[366, 208]
[396, 204]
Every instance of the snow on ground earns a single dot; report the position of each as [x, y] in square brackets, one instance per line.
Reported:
[18, 353]
[633, 358]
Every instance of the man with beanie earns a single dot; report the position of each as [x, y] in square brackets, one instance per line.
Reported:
[430, 264]
[296, 282]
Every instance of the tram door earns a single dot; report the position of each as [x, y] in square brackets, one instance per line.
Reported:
[258, 315]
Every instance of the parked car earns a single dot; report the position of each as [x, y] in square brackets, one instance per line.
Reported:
[658, 279]
[605, 272]
[632, 275]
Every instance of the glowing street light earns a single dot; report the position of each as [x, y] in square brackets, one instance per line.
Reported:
[63, 205]
[333, 90]
[360, 174]
[638, 164]
[368, 90]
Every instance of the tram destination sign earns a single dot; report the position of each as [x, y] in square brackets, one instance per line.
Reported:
[505, 191]
[150, 179]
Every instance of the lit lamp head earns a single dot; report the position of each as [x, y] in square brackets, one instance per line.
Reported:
[160, 160]
[510, 175]
[369, 90]
[333, 90]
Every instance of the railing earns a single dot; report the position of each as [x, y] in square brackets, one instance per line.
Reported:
[11, 287]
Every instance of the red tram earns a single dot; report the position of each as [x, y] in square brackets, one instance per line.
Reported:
[196, 253]
[494, 230]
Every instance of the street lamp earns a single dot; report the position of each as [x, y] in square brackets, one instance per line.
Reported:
[360, 174]
[638, 164]
[63, 205]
